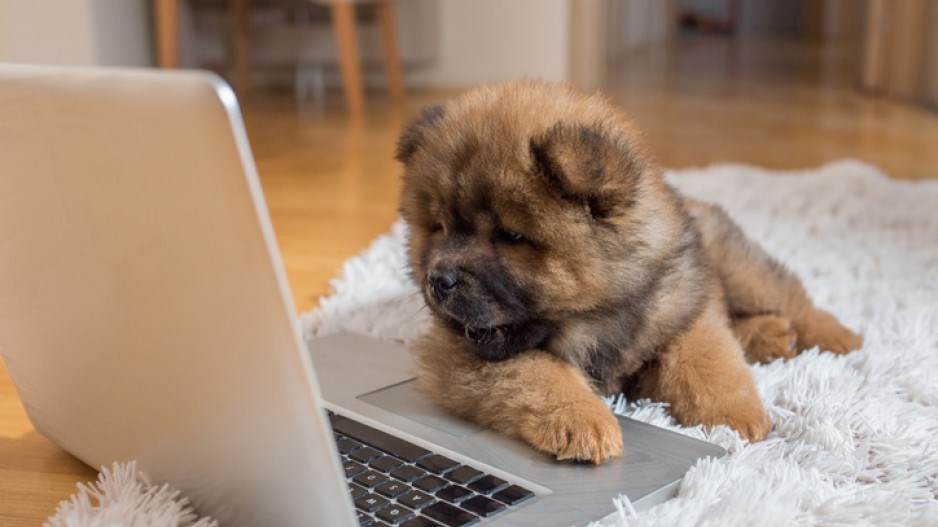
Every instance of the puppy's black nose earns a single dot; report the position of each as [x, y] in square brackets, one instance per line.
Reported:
[442, 283]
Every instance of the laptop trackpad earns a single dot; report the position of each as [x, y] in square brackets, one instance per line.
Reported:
[402, 399]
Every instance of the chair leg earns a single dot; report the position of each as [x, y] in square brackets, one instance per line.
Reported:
[343, 23]
[392, 61]
[241, 44]
[166, 29]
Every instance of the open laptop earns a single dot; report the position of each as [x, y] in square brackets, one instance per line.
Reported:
[144, 314]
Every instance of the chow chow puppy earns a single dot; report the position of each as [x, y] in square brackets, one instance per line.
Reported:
[559, 266]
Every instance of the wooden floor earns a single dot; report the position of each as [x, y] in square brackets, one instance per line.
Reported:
[332, 185]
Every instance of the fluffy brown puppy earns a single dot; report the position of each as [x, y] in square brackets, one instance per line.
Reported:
[559, 266]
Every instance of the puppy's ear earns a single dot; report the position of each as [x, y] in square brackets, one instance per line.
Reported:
[415, 133]
[587, 166]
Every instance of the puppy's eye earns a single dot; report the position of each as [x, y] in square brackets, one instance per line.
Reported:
[509, 237]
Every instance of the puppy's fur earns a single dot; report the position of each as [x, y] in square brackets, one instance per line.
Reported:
[559, 265]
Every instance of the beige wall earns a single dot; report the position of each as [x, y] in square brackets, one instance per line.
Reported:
[555, 40]
[75, 32]
[3, 31]
[47, 32]
[122, 32]
[634, 25]
[492, 40]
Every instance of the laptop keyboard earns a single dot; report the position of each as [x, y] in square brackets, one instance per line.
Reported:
[395, 482]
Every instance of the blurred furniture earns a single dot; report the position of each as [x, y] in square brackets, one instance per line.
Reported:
[900, 55]
[166, 22]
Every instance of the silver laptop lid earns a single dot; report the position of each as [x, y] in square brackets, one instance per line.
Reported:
[143, 309]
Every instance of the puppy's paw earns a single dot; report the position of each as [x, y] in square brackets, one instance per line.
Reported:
[751, 423]
[820, 328]
[741, 411]
[580, 431]
[766, 338]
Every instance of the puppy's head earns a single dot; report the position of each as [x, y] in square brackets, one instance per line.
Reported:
[527, 204]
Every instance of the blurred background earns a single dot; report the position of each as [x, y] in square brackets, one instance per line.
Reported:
[326, 86]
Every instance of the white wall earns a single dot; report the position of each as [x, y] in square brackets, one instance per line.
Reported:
[123, 32]
[75, 32]
[492, 40]
[636, 24]
[3, 30]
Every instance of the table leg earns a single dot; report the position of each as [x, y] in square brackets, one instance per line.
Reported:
[166, 27]
[343, 23]
[241, 44]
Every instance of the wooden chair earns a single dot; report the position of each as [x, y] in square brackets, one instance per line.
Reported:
[166, 21]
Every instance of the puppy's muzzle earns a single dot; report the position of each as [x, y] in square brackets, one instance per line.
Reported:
[442, 283]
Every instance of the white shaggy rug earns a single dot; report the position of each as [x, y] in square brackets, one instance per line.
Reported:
[855, 438]
[123, 497]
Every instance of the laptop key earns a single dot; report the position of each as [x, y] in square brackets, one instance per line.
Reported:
[408, 473]
[513, 495]
[382, 441]
[352, 468]
[364, 520]
[449, 515]
[364, 454]
[488, 484]
[463, 475]
[346, 445]
[385, 463]
[454, 493]
[357, 490]
[420, 521]
[483, 506]
[370, 479]
[430, 483]
[416, 499]
[437, 464]
[395, 514]
[392, 489]
[371, 503]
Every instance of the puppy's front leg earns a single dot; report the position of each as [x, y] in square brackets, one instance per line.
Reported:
[533, 396]
[704, 376]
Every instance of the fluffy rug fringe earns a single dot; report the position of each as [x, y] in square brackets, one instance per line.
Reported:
[122, 497]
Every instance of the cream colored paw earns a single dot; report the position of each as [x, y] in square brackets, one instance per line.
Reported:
[581, 432]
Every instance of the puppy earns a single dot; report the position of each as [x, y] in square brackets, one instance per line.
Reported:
[559, 266]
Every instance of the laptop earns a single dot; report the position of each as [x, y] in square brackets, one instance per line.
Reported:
[144, 314]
